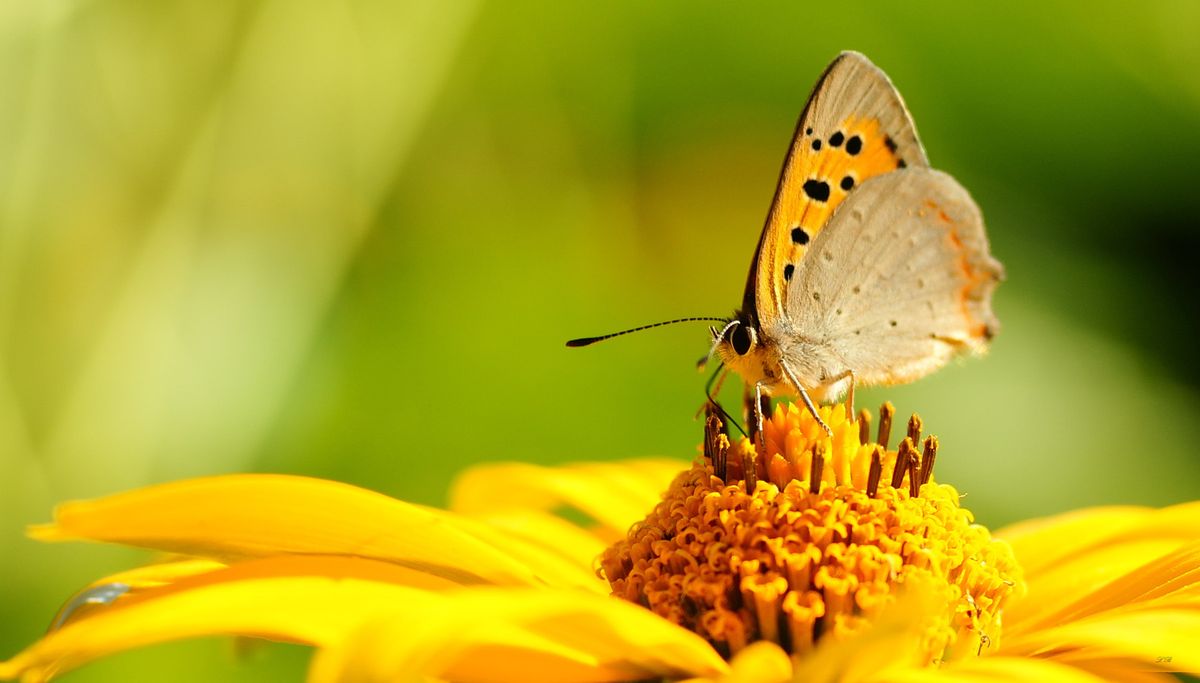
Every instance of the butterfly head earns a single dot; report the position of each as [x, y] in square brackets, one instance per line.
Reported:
[736, 339]
[742, 348]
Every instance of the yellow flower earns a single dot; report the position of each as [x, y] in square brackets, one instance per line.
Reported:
[821, 559]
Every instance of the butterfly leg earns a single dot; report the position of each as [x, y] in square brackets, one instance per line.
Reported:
[755, 405]
[758, 420]
[849, 392]
[850, 396]
[808, 402]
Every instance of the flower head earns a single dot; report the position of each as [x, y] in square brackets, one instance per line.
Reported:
[812, 538]
[805, 557]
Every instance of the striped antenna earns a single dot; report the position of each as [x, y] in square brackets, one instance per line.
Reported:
[587, 341]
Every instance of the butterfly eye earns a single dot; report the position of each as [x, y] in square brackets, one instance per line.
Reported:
[741, 337]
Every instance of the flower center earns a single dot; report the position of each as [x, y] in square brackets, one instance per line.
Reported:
[808, 536]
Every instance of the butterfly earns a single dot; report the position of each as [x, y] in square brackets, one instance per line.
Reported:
[872, 268]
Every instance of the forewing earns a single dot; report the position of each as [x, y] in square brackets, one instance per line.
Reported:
[854, 127]
[899, 281]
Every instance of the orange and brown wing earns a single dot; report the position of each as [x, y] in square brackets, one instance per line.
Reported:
[854, 127]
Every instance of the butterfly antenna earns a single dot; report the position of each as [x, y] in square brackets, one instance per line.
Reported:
[586, 341]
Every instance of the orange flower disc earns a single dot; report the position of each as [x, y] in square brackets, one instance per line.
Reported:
[821, 536]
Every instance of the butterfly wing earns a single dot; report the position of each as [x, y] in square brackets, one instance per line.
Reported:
[898, 282]
[854, 127]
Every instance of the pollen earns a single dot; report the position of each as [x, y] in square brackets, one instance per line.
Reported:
[795, 536]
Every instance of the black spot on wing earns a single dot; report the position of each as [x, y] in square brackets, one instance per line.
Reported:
[799, 236]
[817, 190]
[836, 139]
[854, 145]
[891, 144]
[847, 183]
[788, 271]
[816, 145]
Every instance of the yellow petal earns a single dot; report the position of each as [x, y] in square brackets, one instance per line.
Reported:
[993, 669]
[614, 494]
[1078, 578]
[1044, 543]
[101, 593]
[159, 573]
[1171, 580]
[551, 532]
[1069, 557]
[1119, 671]
[254, 515]
[640, 482]
[761, 662]
[496, 635]
[314, 600]
[464, 650]
[552, 567]
[472, 634]
[1164, 638]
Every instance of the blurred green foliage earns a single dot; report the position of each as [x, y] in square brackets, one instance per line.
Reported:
[348, 239]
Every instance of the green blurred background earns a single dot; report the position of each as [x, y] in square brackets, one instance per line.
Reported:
[348, 240]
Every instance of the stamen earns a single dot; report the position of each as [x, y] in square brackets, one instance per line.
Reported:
[716, 443]
[723, 455]
[914, 428]
[718, 460]
[864, 426]
[914, 483]
[886, 412]
[928, 458]
[818, 464]
[901, 467]
[875, 472]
